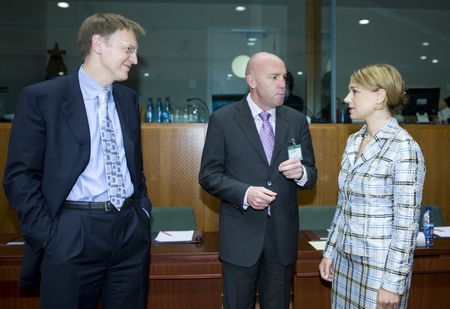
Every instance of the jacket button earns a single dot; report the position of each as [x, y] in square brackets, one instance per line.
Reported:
[269, 183]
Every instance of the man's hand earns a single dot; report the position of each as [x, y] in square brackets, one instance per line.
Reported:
[259, 197]
[291, 169]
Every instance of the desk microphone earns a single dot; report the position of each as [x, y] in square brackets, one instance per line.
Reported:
[199, 238]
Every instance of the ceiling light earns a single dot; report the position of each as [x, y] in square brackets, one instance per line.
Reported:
[146, 74]
[425, 43]
[299, 73]
[252, 39]
[423, 57]
[63, 5]
[363, 22]
[251, 43]
[434, 61]
[240, 8]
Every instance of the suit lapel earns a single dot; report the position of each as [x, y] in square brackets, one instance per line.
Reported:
[281, 128]
[123, 109]
[72, 106]
[244, 119]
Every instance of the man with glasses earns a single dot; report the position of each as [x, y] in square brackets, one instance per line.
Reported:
[74, 176]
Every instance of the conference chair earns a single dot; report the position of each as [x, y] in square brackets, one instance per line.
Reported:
[172, 218]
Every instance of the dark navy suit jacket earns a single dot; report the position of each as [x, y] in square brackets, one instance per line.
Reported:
[49, 148]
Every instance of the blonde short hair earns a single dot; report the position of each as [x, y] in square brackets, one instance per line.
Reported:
[383, 76]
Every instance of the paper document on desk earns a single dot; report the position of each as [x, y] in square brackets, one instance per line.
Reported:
[15, 242]
[174, 236]
[442, 231]
[318, 244]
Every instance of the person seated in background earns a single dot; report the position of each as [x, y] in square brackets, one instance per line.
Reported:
[444, 110]
[291, 99]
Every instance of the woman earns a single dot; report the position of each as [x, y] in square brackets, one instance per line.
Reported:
[370, 248]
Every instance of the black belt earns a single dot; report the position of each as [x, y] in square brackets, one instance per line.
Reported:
[103, 206]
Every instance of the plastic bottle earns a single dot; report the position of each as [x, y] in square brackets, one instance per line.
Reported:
[428, 226]
[194, 115]
[149, 112]
[158, 113]
[185, 116]
[166, 111]
[343, 112]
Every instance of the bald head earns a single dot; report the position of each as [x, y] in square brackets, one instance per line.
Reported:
[265, 75]
[258, 60]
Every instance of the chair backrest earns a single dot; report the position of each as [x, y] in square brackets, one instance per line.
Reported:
[315, 217]
[438, 219]
[320, 217]
[172, 218]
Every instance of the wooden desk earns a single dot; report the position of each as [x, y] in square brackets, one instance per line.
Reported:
[430, 284]
[190, 276]
[181, 276]
[186, 275]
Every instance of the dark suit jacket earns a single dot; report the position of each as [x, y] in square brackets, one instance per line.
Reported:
[50, 147]
[233, 159]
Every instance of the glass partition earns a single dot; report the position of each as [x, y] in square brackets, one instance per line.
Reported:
[191, 49]
[197, 49]
[413, 36]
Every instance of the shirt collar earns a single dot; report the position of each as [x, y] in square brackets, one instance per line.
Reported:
[256, 110]
[90, 87]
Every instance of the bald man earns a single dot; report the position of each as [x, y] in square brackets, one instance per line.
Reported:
[258, 224]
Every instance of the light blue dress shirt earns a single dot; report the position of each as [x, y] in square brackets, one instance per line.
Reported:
[91, 185]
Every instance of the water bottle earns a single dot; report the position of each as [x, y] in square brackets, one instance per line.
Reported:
[149, 112]
[158, 113]
[343, 112]
[166, 111]
[185, 116]
[428, 226]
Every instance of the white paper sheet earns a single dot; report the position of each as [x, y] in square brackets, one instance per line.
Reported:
[442, 231]
[174, 236]
[318, 244]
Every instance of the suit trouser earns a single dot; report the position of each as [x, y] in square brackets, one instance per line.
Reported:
[94, 255]
[272, 279]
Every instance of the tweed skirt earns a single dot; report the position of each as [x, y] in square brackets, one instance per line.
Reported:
[356, 281]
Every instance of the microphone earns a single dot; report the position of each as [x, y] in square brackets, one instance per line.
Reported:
[204, 104]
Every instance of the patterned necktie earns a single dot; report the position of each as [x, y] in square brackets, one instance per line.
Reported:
[114, 176]
[266, 135]
[267, 140]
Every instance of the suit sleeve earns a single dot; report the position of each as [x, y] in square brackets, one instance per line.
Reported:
[308, 157]
[24, 170]
[212, 175]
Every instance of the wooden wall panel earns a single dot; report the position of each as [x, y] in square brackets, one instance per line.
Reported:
[326, 155]
[435, 145]
[8, 217]
[172, 154]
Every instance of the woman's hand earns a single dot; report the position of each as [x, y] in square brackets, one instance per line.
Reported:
[326, 269]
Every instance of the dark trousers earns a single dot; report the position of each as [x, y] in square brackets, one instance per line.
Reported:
[268, 276]
[97, 255]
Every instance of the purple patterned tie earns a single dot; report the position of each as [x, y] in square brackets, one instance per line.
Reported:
[267, 140]
[114, 176]
[266, 135]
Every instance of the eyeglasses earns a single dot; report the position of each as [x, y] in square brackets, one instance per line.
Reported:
[129, 49]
